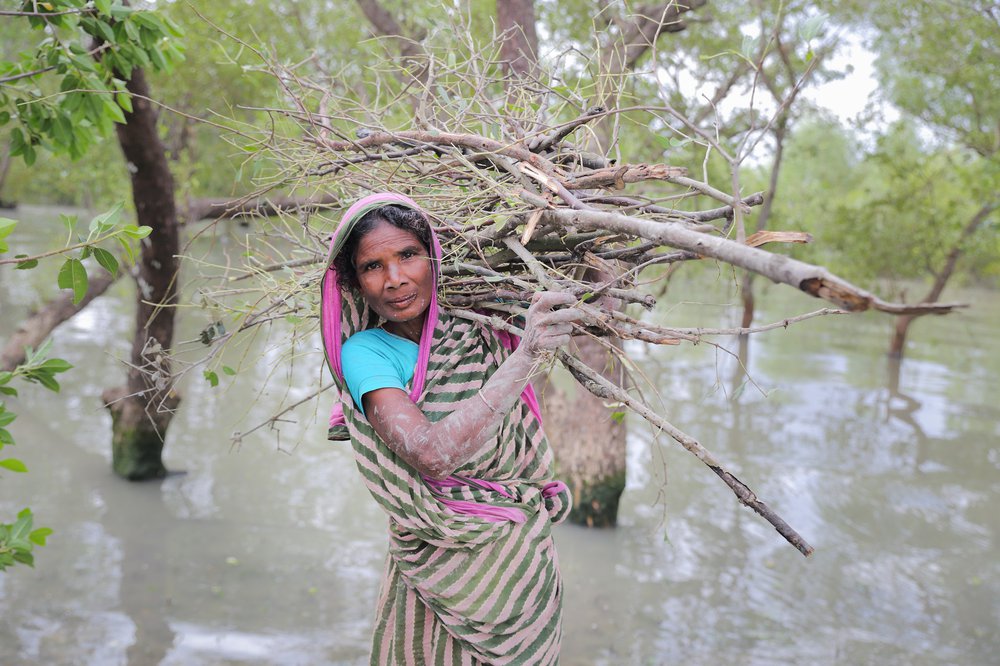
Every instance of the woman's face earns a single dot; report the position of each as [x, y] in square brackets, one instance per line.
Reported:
[394, 271]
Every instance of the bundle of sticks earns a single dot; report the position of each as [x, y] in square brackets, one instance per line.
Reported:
[521, 211]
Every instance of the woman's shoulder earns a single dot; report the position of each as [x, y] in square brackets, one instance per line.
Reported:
[378, 341]
[369, 336]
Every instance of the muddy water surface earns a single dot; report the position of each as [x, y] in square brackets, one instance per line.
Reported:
[270, 551]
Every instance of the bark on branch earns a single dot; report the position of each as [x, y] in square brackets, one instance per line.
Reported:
[813, 280]
[36, 328]
[605, 389]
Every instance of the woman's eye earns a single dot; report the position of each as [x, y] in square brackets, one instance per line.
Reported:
[370, 267]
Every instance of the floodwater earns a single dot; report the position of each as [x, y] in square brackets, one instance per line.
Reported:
[270, 551]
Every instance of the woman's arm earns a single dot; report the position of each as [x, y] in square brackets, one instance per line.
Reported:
[438, 449]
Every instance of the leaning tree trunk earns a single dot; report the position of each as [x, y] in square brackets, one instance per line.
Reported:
[902, 328]
[32, 331]
[142, 409]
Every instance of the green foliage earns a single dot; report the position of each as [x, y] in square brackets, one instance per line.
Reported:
[62, 93]
[69, 89]
[17, 540]
[892, 214]
[104, 228]
[6, 227]
[937, 62]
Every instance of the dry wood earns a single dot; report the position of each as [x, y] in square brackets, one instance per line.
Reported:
[522, 202]
[603, 388]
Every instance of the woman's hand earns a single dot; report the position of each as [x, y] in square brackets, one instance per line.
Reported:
[547, 328]
[437, 449]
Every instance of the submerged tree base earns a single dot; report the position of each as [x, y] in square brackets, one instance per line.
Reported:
[137, 437]
[595, 503]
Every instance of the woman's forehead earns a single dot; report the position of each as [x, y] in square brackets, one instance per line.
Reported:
[387, 237]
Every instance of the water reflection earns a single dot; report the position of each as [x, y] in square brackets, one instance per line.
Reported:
[268, 554]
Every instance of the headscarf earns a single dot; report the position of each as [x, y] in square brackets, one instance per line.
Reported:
[332, 307]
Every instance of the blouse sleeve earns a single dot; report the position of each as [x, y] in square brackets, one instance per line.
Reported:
[368, 366]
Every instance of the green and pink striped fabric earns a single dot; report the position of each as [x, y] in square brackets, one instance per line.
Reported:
[472, 575]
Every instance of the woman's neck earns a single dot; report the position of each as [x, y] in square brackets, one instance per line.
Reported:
[406, 329]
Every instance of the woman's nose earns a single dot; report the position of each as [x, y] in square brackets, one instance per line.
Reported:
[395, 276]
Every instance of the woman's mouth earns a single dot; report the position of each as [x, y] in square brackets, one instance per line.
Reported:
[401, 303]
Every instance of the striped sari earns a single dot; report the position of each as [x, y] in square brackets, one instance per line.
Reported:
[472, 575]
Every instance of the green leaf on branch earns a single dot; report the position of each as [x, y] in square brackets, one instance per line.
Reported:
[6, 226]
[105, 31]
[14, 465]
[107, 220]
[54, 365]
[24, 265]
[24, 557]
[113, 110]
[69, 221]
[124, 101]
[39, 536]
[6, 439]
[229, 371]
[106, 260]
[137, 232]
[211, 377]
[73, 276]
[129, 252]
[812, 27]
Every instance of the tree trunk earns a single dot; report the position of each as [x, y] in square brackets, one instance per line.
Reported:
[897, 346]
[142, 409]
[5, 161]
[519, 45]
[746, 283]
[589, 444]
[899, 333]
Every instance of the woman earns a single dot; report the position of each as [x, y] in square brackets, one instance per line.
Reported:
[458, 459]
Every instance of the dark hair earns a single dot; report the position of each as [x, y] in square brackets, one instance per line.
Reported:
[400, 217]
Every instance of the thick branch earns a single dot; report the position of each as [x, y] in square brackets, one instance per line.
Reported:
[643, 30]
[605, 389]
[36, 328]
[813, 280]
[618, 177]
